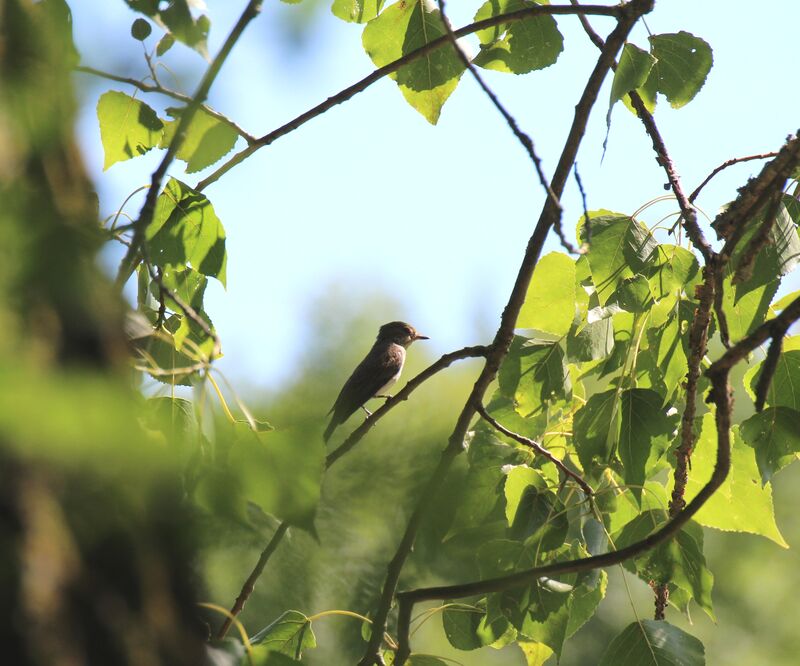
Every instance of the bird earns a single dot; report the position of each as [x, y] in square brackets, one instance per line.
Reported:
[379, 370]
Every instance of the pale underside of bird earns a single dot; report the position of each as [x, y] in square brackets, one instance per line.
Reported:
[376, 374]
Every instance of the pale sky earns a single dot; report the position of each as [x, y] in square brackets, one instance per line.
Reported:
[370, 199]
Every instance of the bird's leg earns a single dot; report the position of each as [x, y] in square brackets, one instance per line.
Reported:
[369, 413]
[385, 397]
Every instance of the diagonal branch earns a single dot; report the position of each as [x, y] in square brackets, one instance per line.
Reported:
[137, 245]
[629, 14]
[736, 160]
[526, 441]
[356, 436]
[378, 74]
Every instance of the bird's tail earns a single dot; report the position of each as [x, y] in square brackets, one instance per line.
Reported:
[329, 430]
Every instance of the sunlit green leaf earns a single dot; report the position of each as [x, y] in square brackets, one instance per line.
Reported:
[175, 17]
[656, 643]
[207, 140]
[775, 436]
[682, 65]
[128, 127]
[290, 634]
[535, 653]
[620, 246]
[784, 390]
[632, 71]
[406, 26]
[741, 504]
[356, 11]
[534, 375]
[521, 46]
[186, 230]
[550, 302]
[596, 429]
[466, 626]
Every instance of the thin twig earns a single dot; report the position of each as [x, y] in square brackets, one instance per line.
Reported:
[378, 74]
[629, 14]
[725, 165]
[524, 139]
[587, 223]
[768, 370]
[357, 435]
[251, 10]
[168, 92]
[538, 448]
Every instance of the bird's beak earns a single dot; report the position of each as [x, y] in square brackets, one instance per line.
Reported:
[421, 337]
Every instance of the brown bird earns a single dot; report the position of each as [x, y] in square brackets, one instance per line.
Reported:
[379, 370]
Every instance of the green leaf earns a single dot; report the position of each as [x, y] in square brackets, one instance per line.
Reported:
[535, 653]
[671, 359]
[186, 230]
[164, 44]
[679, 561]
[745, 305]
[596, 429]
[784, 390]
[620, 247]
[175, 17]
[207, 140]
[592, 342]
[534, 375]
[261, 655]
[682, 65]
[550, 302]
[633, 294]
[280, 471]
[425, 660]
[466, 626]
[632, 71]
[645, 433]
[534, 513]
[140, 29]
[655, 643]
[406, 26]
[775, 436]
[356, 11]
[128, 127]
[519, 47]
[673, 270]
[741, 504]
[290, 634]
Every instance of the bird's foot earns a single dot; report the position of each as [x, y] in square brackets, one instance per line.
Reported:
[369, 413]
[385, 397]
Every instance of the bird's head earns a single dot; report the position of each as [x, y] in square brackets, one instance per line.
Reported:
[400, 333]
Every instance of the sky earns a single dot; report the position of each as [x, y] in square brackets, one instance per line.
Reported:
[370, 201]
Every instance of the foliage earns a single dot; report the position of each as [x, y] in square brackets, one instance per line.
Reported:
[599, 386]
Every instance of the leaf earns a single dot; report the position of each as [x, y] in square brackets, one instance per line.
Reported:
[535, 653]
[775, 436]
[620, 246]
[550, 302]
[596, 428]
[466, 626]
[260, 655]
[186, 230]
[784, 390]
[682, 65]
[174, 16]
[280, 471]
[645, 433]
[534, 514]
[290, 634]
[592, 342]
[741, 504]
[632, 71]
[406, 26]
[519, 47]
[655, 643]
[207, 139]
[128, 127]
[633, 294]
[746, 306]
[140, 29]
[679, 560]
[356, 11]
[425, 660]
[164, 44]
[534, 375]
[671, 359]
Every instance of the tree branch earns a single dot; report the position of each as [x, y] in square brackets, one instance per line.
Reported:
[736, 160]
[251, 10]
[629, 14]
[357, 435]
[378, 74]
[538, 448]
[174, 94]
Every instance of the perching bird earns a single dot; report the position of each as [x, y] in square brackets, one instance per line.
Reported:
[379, 370]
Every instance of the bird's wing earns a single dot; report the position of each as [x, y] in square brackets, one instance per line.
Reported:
[370, 376]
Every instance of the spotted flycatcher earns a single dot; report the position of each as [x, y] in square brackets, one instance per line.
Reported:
[379, 370]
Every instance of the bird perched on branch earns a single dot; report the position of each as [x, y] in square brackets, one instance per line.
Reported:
[379, 370]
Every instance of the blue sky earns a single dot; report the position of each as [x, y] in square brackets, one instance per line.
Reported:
[370, 199]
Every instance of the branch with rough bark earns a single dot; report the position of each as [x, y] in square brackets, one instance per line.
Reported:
[629, 14]
[346, 446]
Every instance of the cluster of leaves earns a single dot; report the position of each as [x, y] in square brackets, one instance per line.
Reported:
[595, 375]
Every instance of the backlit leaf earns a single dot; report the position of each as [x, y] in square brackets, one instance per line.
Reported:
[128, 127]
